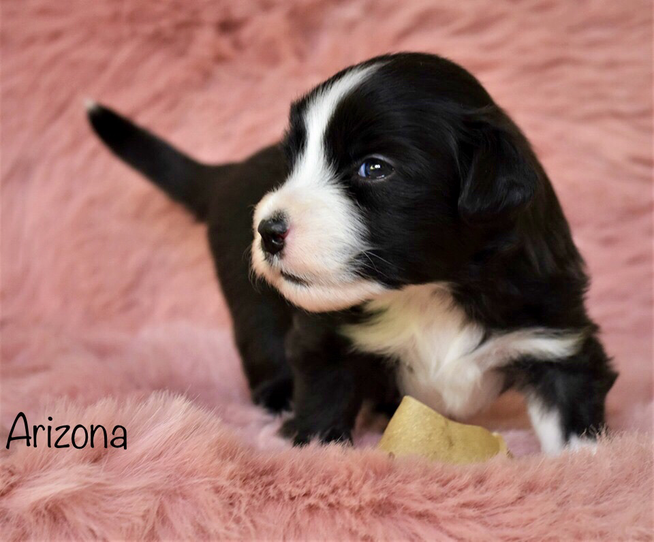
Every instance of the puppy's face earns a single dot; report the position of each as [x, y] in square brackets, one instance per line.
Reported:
[393, 167]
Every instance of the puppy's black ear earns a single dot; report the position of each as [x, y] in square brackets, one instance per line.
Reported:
[501, 177]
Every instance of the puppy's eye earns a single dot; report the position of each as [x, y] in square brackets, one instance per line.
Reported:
[374, 168]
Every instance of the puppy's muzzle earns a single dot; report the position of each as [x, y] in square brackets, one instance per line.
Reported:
[273, 233]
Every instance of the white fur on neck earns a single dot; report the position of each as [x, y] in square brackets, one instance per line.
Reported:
[445, 359]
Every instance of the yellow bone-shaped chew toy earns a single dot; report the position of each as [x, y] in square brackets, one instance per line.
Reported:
[416, 429]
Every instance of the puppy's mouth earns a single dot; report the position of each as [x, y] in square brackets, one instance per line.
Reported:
[294, 279]
[273, 263]
[320, 292]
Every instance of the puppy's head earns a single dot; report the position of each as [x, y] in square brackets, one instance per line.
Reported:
[397, 168]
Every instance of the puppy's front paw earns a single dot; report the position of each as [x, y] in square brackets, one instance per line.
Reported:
[579, 444]
[336, 434]
[301, 436]
[274, 395]
[288, 430]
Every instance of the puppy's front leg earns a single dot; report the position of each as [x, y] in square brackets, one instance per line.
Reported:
[327, 382]
[565, 398]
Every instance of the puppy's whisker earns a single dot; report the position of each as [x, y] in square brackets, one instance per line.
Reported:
[370, 253]
[373, 266]
[247, 253]
[254, 279]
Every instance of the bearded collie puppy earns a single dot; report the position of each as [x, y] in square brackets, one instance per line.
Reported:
[402, 238]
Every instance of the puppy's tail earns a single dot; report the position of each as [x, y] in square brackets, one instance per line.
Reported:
[181, 177]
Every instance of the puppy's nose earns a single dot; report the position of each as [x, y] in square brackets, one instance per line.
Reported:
[273, 232]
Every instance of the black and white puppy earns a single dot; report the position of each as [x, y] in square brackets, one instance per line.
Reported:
[410, 242]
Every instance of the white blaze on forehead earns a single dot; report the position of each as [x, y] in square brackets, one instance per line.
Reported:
[326, 229]
[318, 113]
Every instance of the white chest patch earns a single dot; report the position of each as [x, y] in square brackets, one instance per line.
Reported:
[445, 359]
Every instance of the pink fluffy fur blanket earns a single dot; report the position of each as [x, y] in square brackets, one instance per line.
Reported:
[111, 314]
